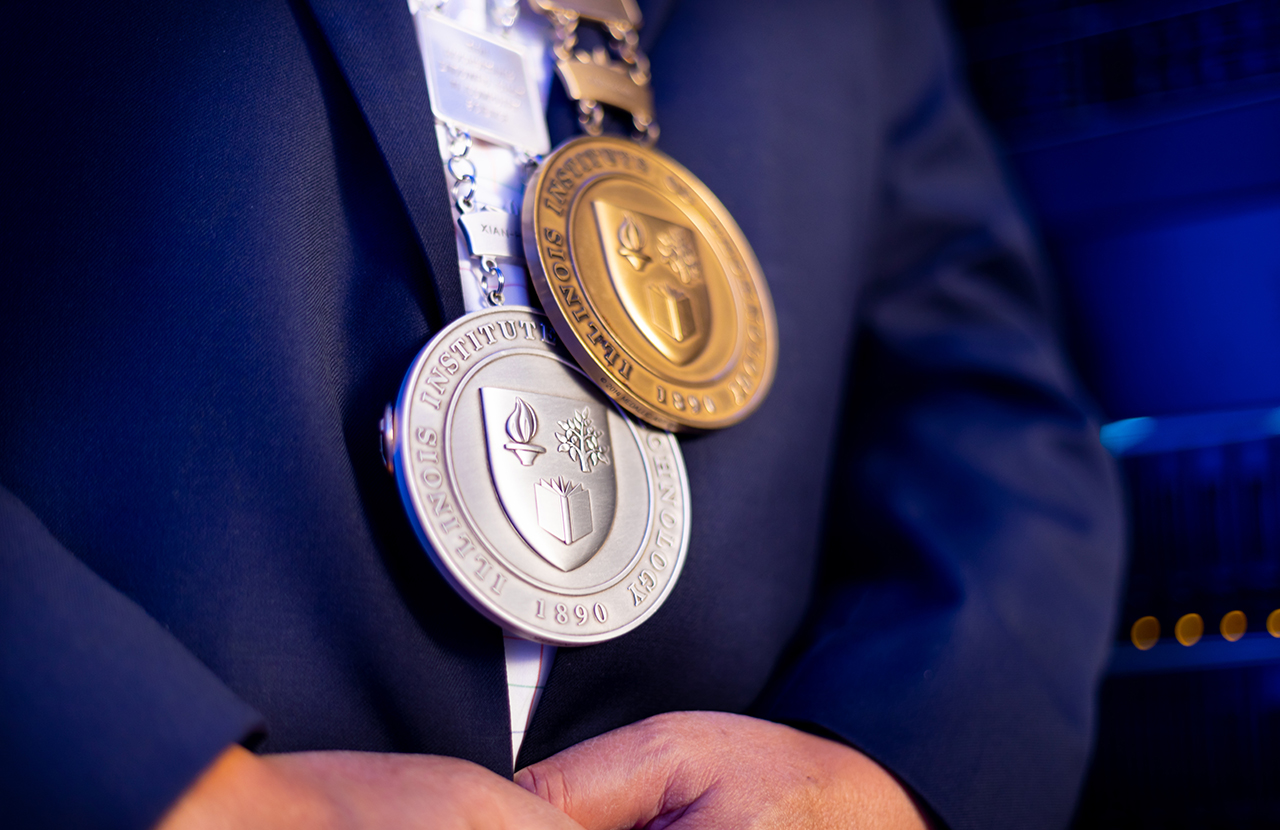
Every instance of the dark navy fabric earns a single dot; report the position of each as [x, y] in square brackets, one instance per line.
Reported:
[225, 237]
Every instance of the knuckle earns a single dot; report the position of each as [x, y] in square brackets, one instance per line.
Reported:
[551, 784]
[673, 730]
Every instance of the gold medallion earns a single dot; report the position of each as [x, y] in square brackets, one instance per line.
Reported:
[650, 284]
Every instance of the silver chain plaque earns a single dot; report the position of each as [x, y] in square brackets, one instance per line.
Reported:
[544, 504]
[481, 83]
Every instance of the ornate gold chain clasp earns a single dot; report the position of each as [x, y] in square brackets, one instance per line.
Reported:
[620, 79]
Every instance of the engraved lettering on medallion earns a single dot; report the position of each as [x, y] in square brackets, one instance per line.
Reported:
[459, 347]
[439, 503]
[647, 579]
[450, 363]
[600, 612]
[562, 613]
[498, 581]
[637, 595]
[507, 329]
[437, 381]
[573, 303]
[657, 560]
[678, 188]
[482, 569]
[608, 351]
[541, 610]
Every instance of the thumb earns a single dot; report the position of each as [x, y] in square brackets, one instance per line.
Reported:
[621, 779]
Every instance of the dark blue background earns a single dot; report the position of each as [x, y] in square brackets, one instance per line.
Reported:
[1146, 134]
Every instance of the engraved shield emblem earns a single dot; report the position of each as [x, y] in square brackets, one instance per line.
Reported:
[655, 268]
[550, 459]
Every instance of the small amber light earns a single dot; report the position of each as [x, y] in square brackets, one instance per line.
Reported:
[1189, 629]
[1146, 632]
[1233, 626]
[1273, 623]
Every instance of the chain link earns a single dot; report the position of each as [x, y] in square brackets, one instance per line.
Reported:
[489, 270]
[566, 34]
[504, 13]
[627, 42]
[591, 117]
[461, 168]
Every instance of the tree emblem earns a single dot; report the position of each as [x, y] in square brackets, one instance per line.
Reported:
[581, 441]
[678, 252]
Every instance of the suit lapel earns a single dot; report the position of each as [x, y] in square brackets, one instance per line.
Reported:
[377, 50]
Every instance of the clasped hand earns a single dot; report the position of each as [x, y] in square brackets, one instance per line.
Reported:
[684, 771]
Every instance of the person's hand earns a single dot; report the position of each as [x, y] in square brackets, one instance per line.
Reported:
[355, 790]
[694, 770]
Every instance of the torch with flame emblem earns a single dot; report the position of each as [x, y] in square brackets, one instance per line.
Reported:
[522, 425]
[632, 239]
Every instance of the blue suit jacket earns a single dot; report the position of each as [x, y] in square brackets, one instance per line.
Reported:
[225, 237]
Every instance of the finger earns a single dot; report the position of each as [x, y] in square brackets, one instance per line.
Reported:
[621, 779]
[385, 791]
[521, 811]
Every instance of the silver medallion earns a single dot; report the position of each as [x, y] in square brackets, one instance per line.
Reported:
[545, 505]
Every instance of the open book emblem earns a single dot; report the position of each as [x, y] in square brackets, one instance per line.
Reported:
[551, 463]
